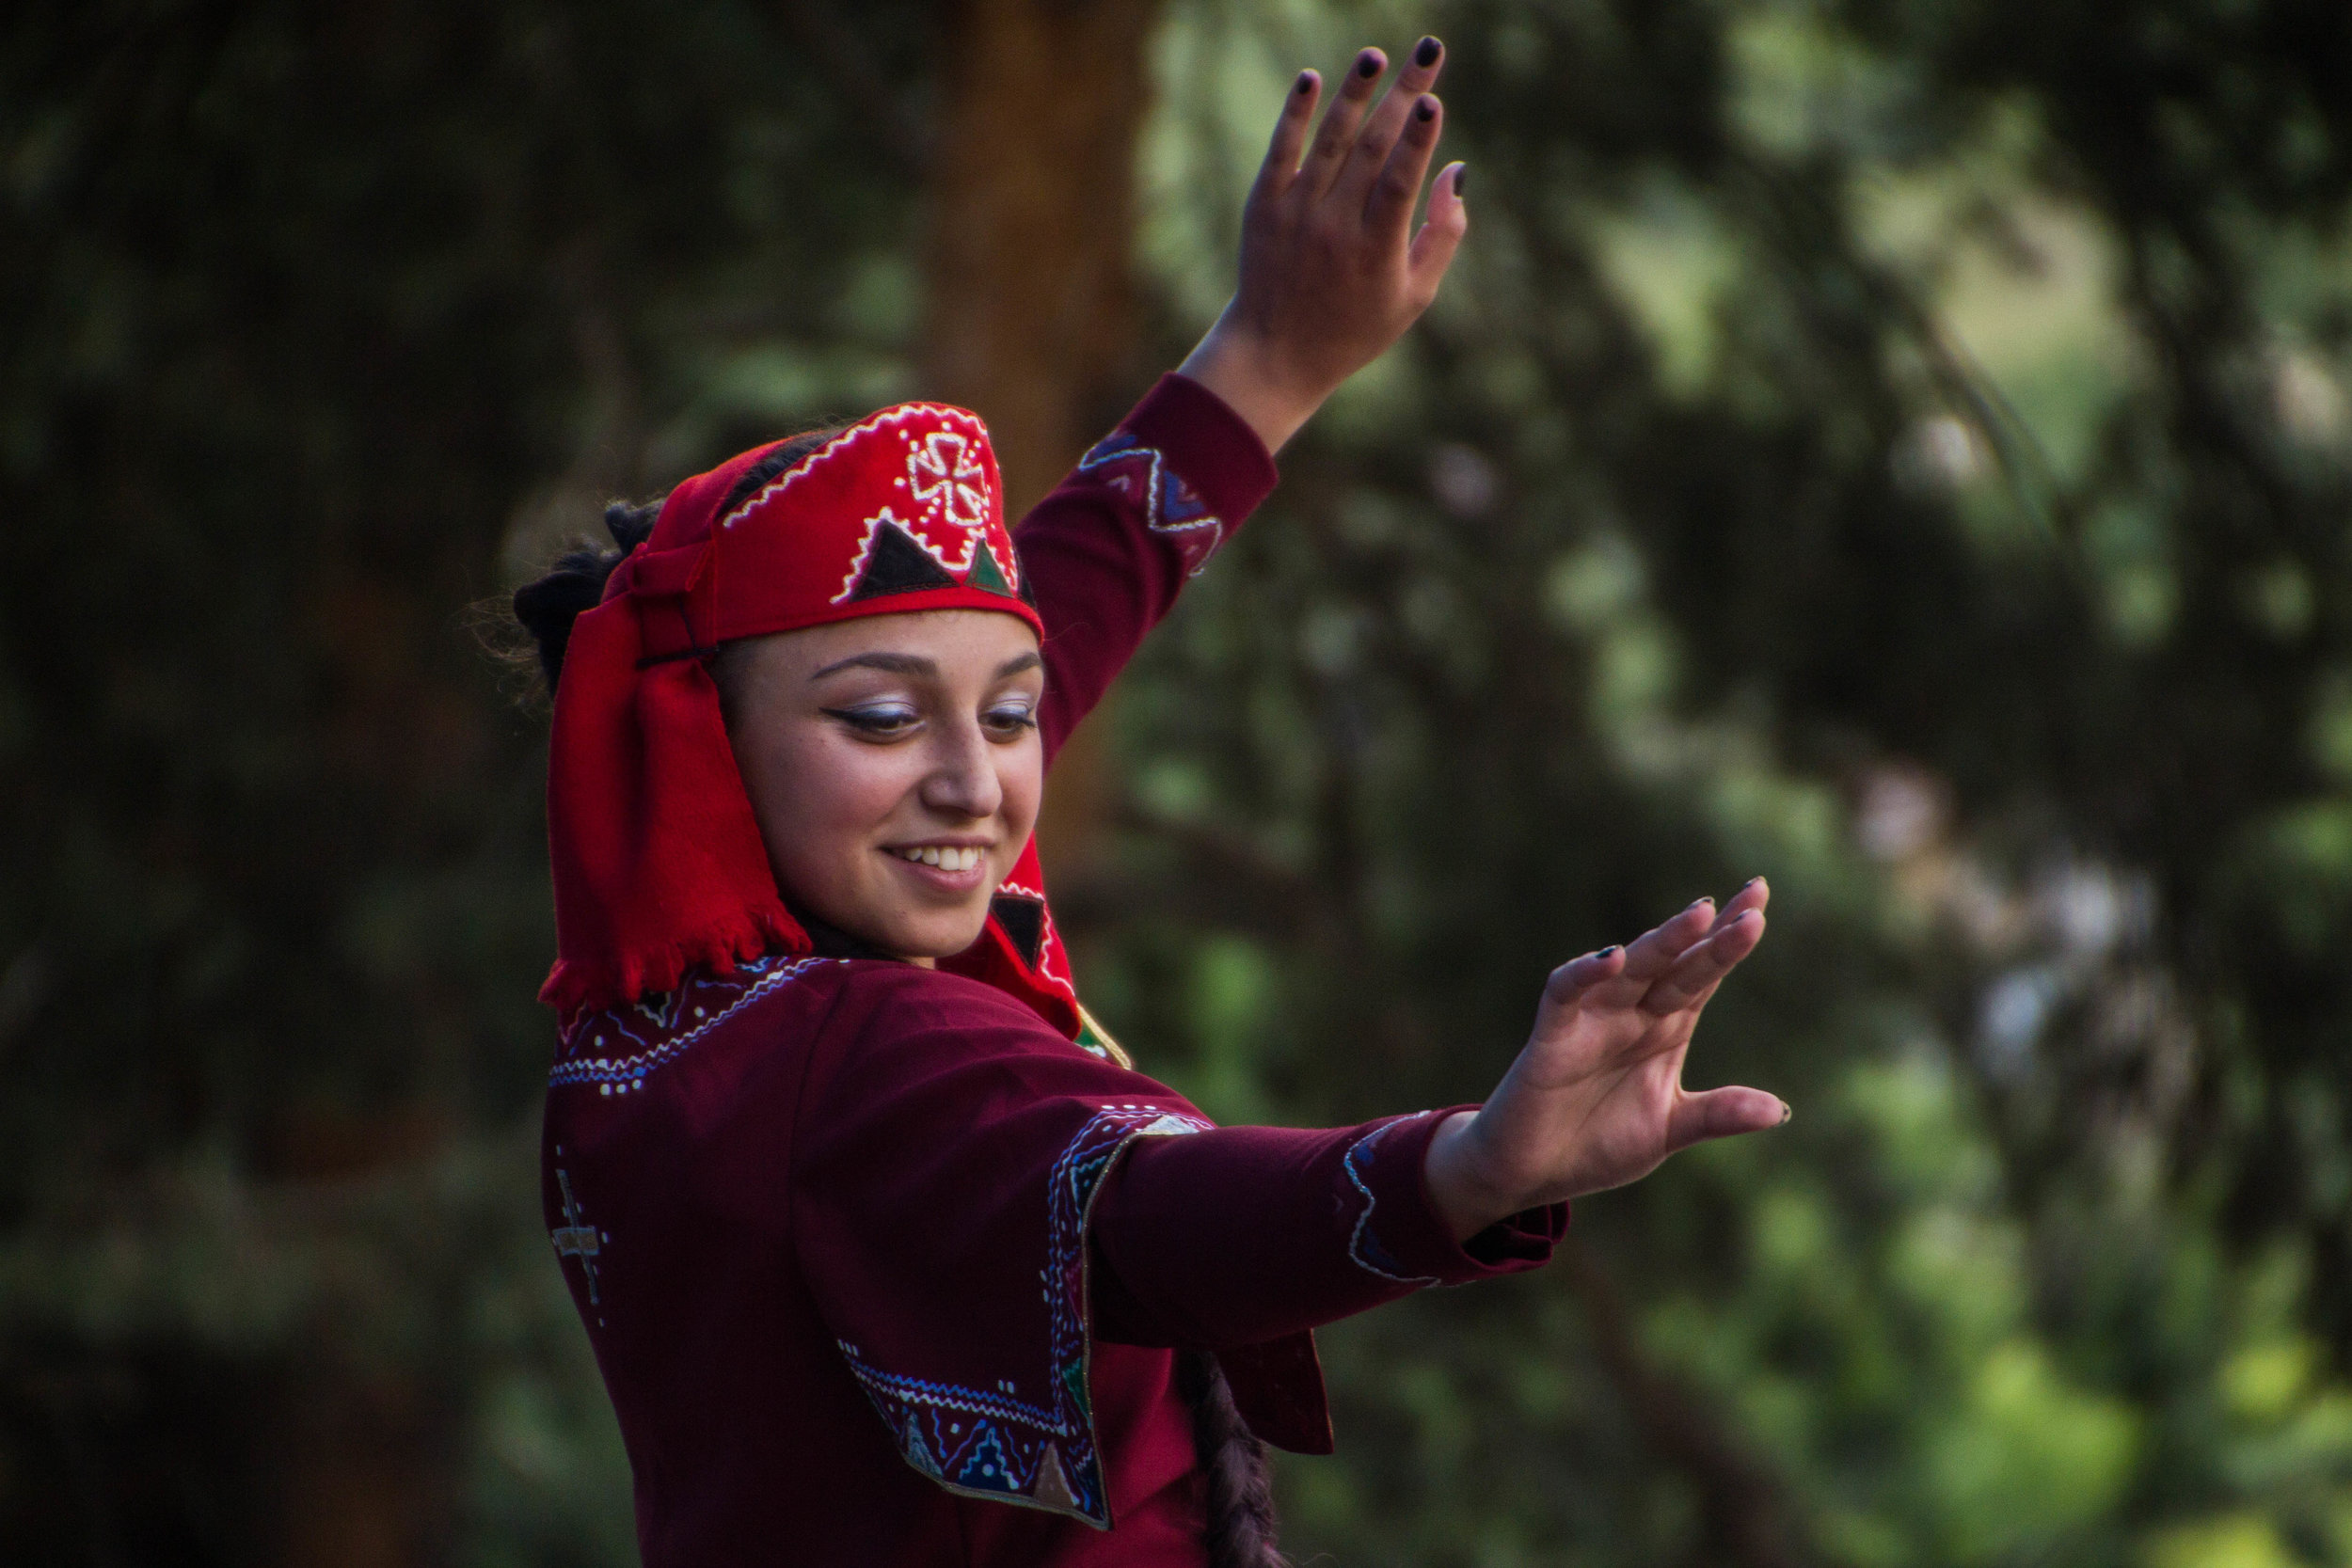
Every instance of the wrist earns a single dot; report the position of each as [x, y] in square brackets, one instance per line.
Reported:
[1255, 380]
[1460, 1187]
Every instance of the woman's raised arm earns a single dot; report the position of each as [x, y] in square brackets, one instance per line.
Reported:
[1332, 273]
[1332, 270]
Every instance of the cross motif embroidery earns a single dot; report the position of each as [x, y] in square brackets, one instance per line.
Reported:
[950, 483]
[574, 1239]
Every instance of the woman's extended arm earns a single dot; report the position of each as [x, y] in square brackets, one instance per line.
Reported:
[1330, 276]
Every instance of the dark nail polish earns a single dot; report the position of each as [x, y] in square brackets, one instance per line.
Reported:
[1305, 80]
[1461, 177]
[1608, 951]
[1426, 110]
[1426, 52]
[1787, 1111]
[1749, 883]
[1367, 64]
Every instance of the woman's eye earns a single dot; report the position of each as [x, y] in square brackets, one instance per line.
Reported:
[1009, 720]
[876, 722]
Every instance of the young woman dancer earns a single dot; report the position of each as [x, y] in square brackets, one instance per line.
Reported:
[888, 1255]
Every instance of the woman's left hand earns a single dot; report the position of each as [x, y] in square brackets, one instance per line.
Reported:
[1332, 270]
[1596, 1099]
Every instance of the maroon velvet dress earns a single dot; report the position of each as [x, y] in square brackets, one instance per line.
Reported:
[881, 1268]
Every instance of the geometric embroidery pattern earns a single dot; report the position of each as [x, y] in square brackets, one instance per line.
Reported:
[1022, 919]
[1170, 506]
[894, 563]
[615, 1049]
[987, 1443]
[1363, 1244]
[1048, 960]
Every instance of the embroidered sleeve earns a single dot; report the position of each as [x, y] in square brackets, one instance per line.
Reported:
[948, 1167]
[1249, 1234]
[1106, 553]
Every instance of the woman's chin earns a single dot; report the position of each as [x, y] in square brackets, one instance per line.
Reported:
[932, 935]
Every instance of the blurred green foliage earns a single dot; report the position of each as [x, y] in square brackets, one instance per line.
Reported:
[1899, 448]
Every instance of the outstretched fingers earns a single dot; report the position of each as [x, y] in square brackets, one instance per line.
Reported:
[1619, 976]
[1391, 125]
[1289, 137]
[1655, 951]
[1388, 211]
[1701, 968]
[1336, 135]
[1577, 976]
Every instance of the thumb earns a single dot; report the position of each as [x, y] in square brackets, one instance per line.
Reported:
[1722, 1114]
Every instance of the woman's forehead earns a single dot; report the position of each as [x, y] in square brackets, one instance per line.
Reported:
[973, 643]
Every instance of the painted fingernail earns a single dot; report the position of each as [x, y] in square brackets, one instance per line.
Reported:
[1461, 177]
[1608, 952]
[1426, 110]
[1305, 80]
[1425, 52]
[1368, 63]
[1749, 883]
[1787, 1111]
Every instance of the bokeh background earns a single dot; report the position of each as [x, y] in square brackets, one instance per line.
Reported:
[1902, 447]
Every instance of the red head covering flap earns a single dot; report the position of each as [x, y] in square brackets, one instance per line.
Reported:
[659, 862]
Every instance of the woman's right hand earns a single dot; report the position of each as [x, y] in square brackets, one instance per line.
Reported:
[1596, 1099]
[1332, 271]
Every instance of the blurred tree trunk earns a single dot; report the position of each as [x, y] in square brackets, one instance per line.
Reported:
[1029, 301]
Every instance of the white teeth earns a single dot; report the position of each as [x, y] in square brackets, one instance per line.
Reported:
[946, 857]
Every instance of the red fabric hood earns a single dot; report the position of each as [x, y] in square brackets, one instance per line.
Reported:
[658, 859]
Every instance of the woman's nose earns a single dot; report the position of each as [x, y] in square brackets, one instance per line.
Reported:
[963, 781]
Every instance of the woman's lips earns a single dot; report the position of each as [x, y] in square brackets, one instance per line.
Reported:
[963, 869]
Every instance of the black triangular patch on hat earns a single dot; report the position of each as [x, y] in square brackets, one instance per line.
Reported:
[986, 574]
[894, 563]
[1024, 921]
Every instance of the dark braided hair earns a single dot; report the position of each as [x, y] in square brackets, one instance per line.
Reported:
[1239, 1502]
[548, 606]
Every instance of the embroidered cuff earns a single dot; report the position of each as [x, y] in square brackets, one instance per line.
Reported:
[1210, 445]
[1198, 466]
[1399, 1232]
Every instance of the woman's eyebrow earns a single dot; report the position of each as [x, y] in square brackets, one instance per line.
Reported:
[1014, 666]
[896, 664]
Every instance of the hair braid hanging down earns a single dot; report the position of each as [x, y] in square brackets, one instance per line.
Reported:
[1241, 1528]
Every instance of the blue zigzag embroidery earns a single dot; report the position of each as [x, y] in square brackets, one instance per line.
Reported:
[988, 1443]
[1170, 506]
[1363, 1244]
[616, 1049]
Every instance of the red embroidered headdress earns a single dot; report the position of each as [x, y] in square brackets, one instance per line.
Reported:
[659, 863]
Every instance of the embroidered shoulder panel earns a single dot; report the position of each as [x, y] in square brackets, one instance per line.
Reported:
[1171, 507]
[616, 1049]
[985, 1442]
[1363, 1243]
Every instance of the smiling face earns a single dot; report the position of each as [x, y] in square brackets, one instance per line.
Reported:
[894, 763]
